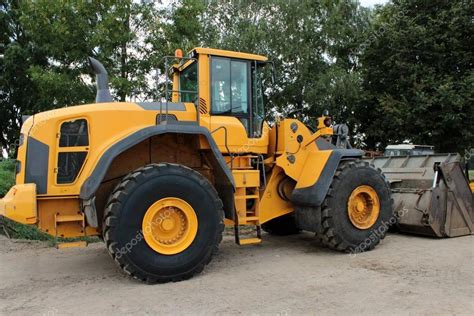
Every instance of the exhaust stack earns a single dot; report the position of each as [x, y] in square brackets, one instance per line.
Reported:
[102, 81]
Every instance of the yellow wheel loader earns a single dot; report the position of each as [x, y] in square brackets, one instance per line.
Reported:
[159, 181]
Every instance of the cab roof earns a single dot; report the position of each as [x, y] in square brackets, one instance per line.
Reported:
[228, 53]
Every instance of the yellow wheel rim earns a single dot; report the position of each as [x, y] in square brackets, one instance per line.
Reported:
[363, 207]
[170, 226]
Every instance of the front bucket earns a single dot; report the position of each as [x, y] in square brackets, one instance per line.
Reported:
[431, 194]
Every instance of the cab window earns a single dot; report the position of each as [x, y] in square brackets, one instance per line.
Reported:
[258, 114]
[72, 150]
[189, 83]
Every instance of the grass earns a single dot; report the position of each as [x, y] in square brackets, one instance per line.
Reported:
[471, 175]
[15, 230]
[7, 175]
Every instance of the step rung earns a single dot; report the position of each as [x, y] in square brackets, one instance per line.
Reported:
[248, 221]
[75, 244]
[246, 197]
[249, 218]
[249, 241]
[69, 218]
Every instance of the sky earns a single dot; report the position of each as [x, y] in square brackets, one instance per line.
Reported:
[370, 3]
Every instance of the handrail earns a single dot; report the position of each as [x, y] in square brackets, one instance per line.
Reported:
[181, 61]
[225, 144]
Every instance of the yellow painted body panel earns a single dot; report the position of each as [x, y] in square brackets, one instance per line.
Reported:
[20, 204]
[312, 168]
[204, 89]
[303, 162]
[246, 178]
[271, 204]
[108, 124]
[237, 139]
[62, 217]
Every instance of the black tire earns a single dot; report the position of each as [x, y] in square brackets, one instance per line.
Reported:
[338, 232]
[127, 206]
[282, 226]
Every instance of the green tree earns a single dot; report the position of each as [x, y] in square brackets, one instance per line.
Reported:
[181, 27]
[45, 48]
[418, 75]
[17, 92]
[114, 31]
[314, 45]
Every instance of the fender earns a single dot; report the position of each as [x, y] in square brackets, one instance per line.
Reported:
[314, 195]
[224, 179]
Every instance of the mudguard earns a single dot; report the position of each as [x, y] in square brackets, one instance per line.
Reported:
[313, 196]
[224, 179]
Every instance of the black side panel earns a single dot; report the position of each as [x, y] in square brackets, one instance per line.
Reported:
[324, 144]
[224, 178]
[36, 170]
[314, 195]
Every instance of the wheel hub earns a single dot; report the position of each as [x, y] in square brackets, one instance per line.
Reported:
[169, 226]
[363, 207]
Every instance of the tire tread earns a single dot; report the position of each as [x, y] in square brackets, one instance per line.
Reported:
[112, 214]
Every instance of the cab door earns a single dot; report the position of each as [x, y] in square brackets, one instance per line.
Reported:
[236, 113]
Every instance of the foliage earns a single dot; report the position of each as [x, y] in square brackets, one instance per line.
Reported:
[46, 45]
[18, 231]
[313, 45]
[418, 75]
[7, 176]
[17, 93]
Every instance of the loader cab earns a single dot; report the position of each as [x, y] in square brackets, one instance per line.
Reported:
[229, 96]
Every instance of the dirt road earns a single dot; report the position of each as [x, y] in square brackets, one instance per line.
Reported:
[283, 276]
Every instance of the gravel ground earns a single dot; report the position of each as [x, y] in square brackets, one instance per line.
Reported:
[405, 275]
